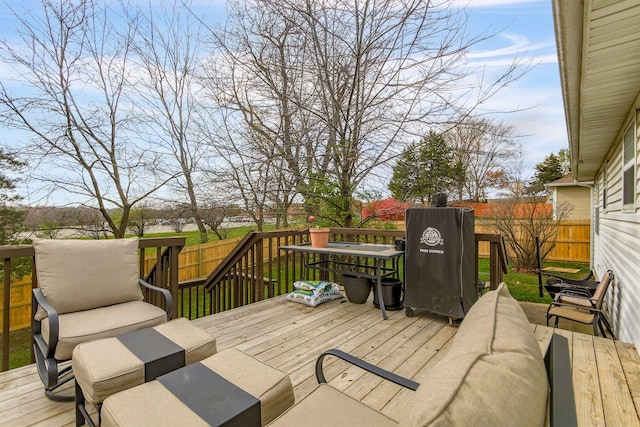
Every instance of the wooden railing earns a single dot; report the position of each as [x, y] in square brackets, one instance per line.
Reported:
[164, 274]
[256, 269]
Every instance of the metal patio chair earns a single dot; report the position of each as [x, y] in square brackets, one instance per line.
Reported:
[555, 282]
[578, 305]
[87, 289]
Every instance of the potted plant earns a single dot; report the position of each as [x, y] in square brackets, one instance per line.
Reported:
[319, 236]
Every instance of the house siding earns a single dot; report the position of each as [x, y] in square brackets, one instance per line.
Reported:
[616, 245]
[578, 198]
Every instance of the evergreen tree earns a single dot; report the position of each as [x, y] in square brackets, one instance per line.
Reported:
[425, 169]
[10, 217]
[549, 170]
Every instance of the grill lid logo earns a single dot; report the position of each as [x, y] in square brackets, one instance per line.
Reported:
[432, 237]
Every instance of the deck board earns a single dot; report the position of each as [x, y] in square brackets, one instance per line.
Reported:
[290, 336]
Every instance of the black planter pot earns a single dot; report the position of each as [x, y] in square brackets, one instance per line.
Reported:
[356, 288]
[391, 294]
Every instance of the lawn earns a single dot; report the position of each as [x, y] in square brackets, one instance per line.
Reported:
[193, 237]
[524, 286]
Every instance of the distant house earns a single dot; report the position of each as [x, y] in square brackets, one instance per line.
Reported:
[575, 197]
[599, 58]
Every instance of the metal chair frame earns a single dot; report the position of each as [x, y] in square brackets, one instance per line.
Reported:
[51, 370]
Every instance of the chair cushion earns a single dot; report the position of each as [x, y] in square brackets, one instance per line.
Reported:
[102, 322]
[77, 275]
[570, 313]
[326, 406]
[493, 373]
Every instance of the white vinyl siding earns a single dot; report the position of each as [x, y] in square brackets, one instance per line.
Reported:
[616, 244]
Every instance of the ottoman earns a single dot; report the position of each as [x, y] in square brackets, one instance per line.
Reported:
[106, 366]
[229, 388]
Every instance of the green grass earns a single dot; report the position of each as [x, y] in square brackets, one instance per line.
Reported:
[524, 286]
[19, 348]
[193, 237]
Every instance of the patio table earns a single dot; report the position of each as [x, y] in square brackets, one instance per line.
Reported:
[378, 252]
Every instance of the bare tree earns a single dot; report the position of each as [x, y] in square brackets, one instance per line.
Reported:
[486, 149]
[72, 65]
[524, 215]
[357, 80]
[265, 134]
[169, 45]
[140, 218]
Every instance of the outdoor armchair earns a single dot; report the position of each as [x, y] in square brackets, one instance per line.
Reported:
[493, 373]
[87, 289]
[578, 305]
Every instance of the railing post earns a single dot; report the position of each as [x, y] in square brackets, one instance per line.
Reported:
[173, 279]
[6, 306]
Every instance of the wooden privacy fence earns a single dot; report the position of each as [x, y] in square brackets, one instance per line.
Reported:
[572, 244]
[20, 308]
[199, 260]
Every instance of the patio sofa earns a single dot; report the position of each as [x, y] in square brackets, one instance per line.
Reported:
[493, 374]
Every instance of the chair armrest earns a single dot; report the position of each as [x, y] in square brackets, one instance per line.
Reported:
[591, 309]
[562, 402]
[575, 291]
[39, 300]
[389, 376]
[167, 296]
[570, 280]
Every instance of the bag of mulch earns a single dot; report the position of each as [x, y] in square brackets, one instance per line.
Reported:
[312, 293]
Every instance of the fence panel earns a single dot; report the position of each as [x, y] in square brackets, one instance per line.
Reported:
[19, 304]
[572, 243]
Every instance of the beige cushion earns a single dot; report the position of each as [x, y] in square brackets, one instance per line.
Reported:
[493, 373]
[571, 314]
[270, 385]
[77, 275]
[102, 322]
[150, 404]
[326, 406]
[106, 366]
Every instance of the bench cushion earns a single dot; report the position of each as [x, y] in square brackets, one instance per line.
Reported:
[104, 367]
[493, 373]
[102, 322]
[153, 405]
[77, 275]
[326, 406]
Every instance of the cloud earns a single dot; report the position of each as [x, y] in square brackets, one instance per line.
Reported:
[492, 3]
[517, 44]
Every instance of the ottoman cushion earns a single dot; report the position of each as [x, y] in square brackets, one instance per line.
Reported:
[104, 367]
[151, 404]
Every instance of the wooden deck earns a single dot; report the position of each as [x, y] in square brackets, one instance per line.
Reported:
[289, 336]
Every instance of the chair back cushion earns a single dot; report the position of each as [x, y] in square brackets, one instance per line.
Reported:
[493, 374]
[77, 275]
[601, 290]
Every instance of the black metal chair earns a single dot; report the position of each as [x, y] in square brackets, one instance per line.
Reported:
[555, 283]
[577, 305]
[86, 290]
